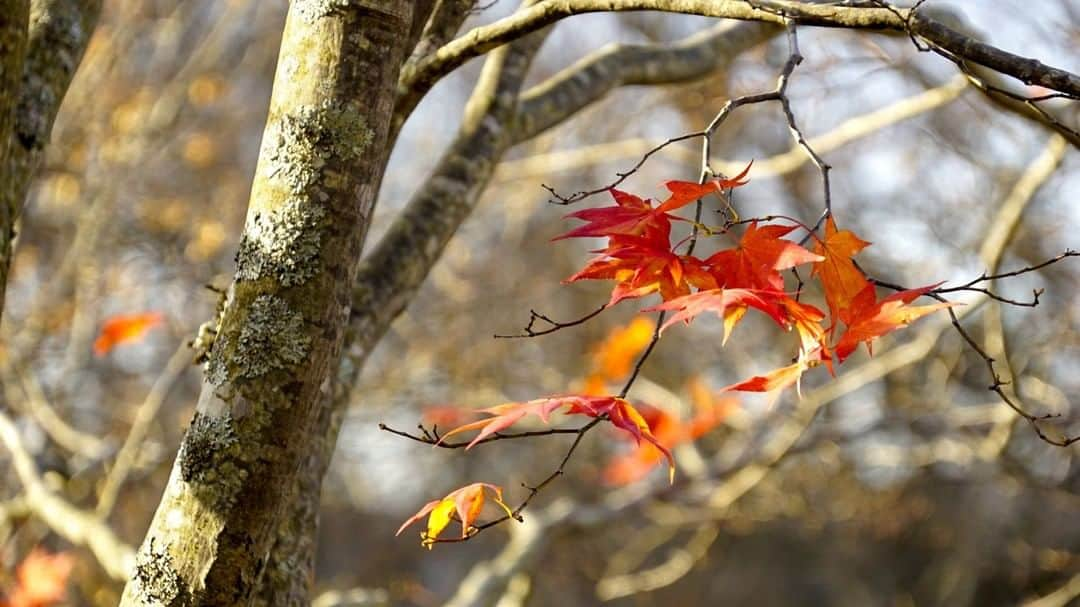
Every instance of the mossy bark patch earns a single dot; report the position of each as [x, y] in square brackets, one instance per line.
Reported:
[283, 246]
[207, 438]
[272, 338]
[156, 580]
[310, 10]
[313, 135]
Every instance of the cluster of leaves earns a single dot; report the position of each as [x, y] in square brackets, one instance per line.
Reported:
[642, 258]
[40, 580]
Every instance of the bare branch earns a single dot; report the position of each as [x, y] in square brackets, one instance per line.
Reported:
[74, 525]
[860, 15]
[59, 31]
[589, 79]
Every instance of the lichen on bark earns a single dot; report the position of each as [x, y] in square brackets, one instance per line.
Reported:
[207, 438]
[283, 245]
[307, 139]
[156, 580]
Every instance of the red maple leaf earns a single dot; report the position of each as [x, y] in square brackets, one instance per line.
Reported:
[870, 319]
[641, 266]
[631, 216]
[670, 431]
[685, 192]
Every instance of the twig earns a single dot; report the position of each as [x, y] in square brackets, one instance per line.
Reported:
[74, 525]
[530, 331]
[147, 412]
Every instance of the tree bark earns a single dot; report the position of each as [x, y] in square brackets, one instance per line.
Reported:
[56, 35]
[281, 329]
[14, 19]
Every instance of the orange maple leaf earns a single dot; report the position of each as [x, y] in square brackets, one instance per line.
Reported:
[41, 579]
[758, 259]
[124, 328]
[840, 279]
[778, 380]
[869, 319]
[463, 505]
[613, 357]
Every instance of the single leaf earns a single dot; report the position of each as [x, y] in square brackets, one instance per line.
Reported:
[631, 216]
[624, 416]
[869, 322]
[669, 431]
[806, 320]
[773, 381]
[613, 358]
[728, 304]
[759, 258]
[124, 328]
[505, 415]
[840, 279]
[41, 579]
[685, 192]
[464, 505]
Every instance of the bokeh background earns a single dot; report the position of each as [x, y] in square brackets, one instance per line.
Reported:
[908, 485]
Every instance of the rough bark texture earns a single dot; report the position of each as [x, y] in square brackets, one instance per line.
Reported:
[56, 38]
[285, 315]
[14, 17]
[389, 277]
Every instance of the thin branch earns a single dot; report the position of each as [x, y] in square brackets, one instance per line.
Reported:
[146, 414]
[534, 316]
[74, 525]
[998, 384]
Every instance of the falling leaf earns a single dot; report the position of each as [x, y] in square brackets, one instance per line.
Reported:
[124, 328]
[463, 505]
[41, 579]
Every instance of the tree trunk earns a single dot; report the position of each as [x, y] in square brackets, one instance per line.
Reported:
[280, 333]
[14, 20]
[34, 76]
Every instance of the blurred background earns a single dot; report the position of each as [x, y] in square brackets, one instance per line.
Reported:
[903, 482]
